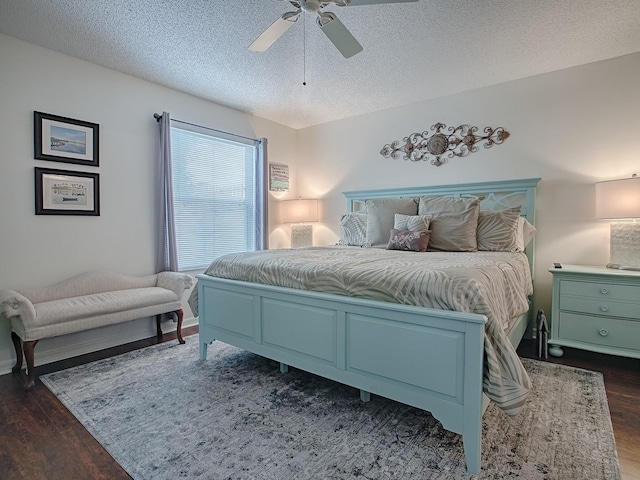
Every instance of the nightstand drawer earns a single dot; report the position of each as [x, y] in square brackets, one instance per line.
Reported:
[599, 331]
[599, 290]
[601, 306]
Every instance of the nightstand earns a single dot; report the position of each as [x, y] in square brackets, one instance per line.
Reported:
[596, 309]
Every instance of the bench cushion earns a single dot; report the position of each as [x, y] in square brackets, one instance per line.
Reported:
[89, 283]
[68, 309]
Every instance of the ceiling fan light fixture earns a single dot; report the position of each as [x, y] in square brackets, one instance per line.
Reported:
[310, 6]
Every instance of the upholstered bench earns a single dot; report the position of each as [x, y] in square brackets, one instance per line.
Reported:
[89, 300]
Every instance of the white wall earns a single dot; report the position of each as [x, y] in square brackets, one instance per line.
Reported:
[572, 128]
[41, 250]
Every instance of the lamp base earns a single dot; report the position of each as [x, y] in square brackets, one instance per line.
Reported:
[625, 246]
[301, 236]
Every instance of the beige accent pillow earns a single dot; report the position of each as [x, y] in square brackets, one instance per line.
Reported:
[498, 230]
[454, 223]
[353, 229]
[419, 223]
[380, 217]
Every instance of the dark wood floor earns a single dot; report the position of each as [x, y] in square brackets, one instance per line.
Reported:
[40, 439]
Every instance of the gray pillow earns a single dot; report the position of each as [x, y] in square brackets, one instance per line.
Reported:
[498, 230]
[353, 229]
[380, 217]
[454, 223]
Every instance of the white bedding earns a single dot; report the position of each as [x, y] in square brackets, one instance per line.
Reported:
[495, 284]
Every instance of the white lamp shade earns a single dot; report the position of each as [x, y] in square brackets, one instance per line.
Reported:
[618, 199]
[299, 211]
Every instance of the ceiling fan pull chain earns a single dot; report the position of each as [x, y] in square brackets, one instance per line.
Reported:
[304, 48]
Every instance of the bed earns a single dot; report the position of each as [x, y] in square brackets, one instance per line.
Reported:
[436, 359]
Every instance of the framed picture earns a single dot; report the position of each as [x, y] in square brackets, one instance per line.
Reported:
[61, 139]
[60, 192]
[278, 177]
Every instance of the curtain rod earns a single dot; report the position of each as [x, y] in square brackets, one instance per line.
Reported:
[157, 116]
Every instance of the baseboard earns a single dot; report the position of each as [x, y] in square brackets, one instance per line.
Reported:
[60, 348]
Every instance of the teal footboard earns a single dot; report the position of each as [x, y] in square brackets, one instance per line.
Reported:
[430, 359]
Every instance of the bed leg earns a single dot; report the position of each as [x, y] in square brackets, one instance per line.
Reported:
[472, 454]
[203, 350]
[365, 396]
[284, 368]
[472, 434]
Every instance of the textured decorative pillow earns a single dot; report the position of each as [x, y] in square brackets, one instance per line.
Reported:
[353, 229]
[526, 232]
[409, 240]
[454, 223]
[380, 217]
[411, 222]
[498, 230]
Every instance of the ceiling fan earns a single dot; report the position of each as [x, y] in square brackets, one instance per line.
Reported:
[332, 27]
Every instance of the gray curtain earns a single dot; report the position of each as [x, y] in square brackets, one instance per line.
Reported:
[262, 205]
[166, 235]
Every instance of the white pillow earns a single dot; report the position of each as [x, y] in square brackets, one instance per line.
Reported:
[417, 223]
[526, 232]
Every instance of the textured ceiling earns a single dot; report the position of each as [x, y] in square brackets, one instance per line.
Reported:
[412, 51]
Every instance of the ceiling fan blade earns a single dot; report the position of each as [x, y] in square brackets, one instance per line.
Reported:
[335, 31]
[274, 32]
[354, 3]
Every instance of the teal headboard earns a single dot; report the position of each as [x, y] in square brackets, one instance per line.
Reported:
[498, 195]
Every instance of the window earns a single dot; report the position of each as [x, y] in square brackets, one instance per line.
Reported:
[214, 196]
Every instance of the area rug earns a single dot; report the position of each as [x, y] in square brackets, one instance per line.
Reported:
[164, 414]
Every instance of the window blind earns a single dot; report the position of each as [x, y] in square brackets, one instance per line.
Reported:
[213, 196]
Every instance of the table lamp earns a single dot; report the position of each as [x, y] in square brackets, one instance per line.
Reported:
[299, 212]
[620, 200]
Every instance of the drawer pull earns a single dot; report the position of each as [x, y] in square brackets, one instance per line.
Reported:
[604, 308]
[604, 291]
[603, 332]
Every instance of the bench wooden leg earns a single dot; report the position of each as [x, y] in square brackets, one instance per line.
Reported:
[29, 348]
[180, 315]
[158, 327]
[17, 344]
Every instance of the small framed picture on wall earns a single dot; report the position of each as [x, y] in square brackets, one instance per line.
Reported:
[62, 192]
[278, 177]
[61, 139]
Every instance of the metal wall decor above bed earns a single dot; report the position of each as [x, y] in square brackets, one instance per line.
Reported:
[459, 142]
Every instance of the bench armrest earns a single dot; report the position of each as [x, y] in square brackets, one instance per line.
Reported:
[175, 281]
[12, 304]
